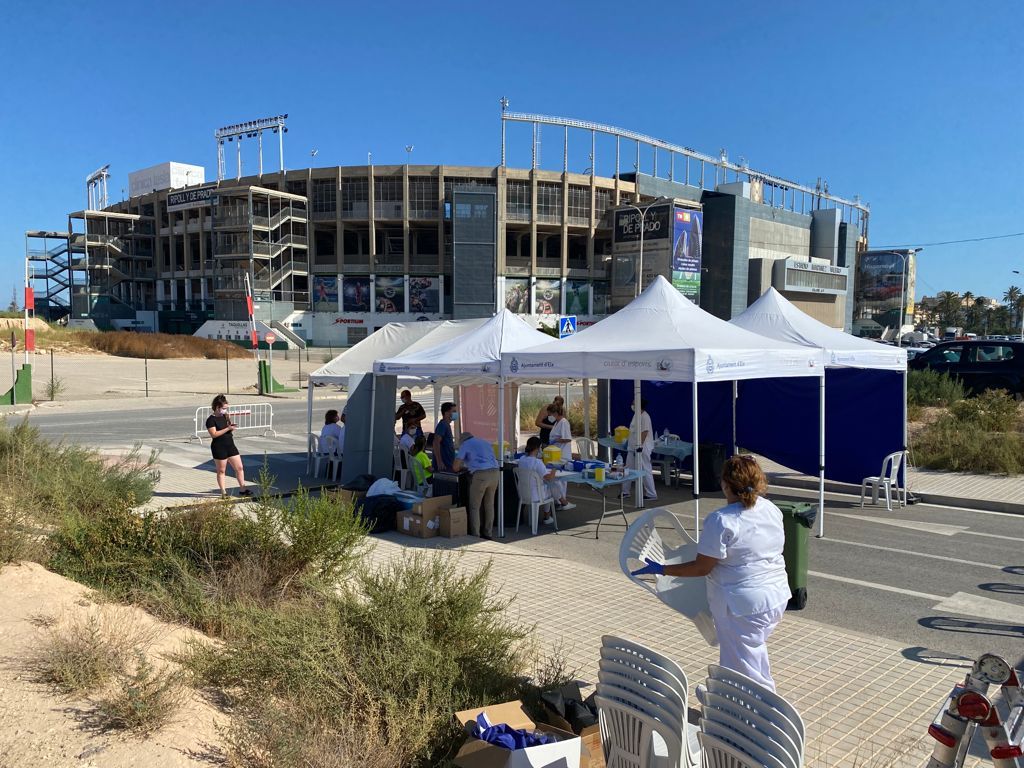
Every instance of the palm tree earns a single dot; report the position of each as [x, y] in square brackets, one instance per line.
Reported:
[968, 299]
[1012, 296]
[949, 307]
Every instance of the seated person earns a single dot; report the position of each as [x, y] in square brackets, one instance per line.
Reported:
[408, 438]
[422, 466]
[334, 426]
[540, 478]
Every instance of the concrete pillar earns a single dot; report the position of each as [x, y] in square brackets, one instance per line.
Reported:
[406, 245]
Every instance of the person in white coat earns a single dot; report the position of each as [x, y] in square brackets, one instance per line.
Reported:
[740, 553]
[638, 454]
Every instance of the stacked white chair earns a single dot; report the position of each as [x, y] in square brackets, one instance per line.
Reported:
[642, 706]
[745, 724]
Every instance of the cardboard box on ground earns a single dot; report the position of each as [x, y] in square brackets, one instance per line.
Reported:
[431, 517]
[567, 752]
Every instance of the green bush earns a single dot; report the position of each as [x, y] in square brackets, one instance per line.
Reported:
[993, 410]
[964, 446]
[530, 405]
[930, 388]
[144, 699]
[395, 654]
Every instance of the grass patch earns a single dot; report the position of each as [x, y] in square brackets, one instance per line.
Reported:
[531, 404]
[83, 655]
[983, 434]
[144, 699]
[155, 346]
[930, 388]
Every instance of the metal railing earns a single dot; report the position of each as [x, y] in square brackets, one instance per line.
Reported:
[256, 417]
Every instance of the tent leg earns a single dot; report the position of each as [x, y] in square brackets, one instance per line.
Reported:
[373, 404]
[586, 408]
[735, 394]
[438, 389]
[905, 454]
[638, 417]
[696, 465]
[501, 458]
[608, 415]
[821, 456]
[309, 415]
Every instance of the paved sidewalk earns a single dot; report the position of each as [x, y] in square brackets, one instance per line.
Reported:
[866, 702]
[997, 493]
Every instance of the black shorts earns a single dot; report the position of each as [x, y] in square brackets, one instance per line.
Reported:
[223, 451]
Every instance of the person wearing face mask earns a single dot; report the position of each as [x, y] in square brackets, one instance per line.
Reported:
[408, 438]
[444, 439]
[222, 446]
[410, 413]
[638, 454]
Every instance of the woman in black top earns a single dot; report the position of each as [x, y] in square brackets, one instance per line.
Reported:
[222, 446]
[546, 419]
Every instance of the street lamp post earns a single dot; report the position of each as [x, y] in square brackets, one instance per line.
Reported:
[643, 226]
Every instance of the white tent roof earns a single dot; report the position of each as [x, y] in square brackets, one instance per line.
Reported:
[473, 356]
[392, 339]
[774, 316]
[662, 336]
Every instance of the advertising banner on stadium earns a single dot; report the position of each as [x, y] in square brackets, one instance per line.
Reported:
[325, 290]
[356, 294]
[390, 294]
[686, 252]
[517, 295]
[548, 297]
[425, 295]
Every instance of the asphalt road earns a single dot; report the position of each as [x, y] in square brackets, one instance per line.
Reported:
[946, 584]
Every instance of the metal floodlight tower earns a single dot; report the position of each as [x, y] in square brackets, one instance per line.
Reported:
[96, 188]
[250, 129]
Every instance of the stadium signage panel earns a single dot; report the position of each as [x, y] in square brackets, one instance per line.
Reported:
[190, 198]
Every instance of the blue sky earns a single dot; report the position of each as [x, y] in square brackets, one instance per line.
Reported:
[915, 106]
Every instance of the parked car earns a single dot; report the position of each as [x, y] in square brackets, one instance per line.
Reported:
[979, 365]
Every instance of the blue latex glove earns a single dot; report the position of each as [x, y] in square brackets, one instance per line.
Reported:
[503, 735]
[652, 567]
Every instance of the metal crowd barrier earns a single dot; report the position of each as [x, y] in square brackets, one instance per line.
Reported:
[257, 417]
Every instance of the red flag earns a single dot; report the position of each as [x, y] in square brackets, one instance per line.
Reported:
[30, 298]
[255, 340]
[30, 339]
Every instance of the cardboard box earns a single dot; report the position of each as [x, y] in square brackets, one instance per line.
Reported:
[345, 496]
[409, 523]
[454, 522]
[432, 507]
[567, 752]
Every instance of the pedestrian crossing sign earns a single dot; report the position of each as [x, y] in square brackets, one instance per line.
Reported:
[566, 326]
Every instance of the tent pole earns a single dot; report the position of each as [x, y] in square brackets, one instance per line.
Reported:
[821, 455]
[373, 402]
[438, 389]
[905, 473]
[696, 463]
[637, 444]
[501, 457]
[586, 408]
[309, 415]
[608, 415]
[735, 394]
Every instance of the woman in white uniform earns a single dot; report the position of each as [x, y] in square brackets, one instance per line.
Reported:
[740, 552]
[638, 454]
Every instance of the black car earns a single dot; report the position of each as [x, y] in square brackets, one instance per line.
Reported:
[979, 365]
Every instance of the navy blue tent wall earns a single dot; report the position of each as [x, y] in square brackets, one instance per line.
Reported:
[778, 419]
[670, 405]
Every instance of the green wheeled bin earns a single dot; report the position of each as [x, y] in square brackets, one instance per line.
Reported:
[797, 520]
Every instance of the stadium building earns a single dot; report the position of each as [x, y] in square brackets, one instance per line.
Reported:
[332, 253]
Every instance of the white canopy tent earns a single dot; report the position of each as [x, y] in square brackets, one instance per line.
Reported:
[662, 336]
[392, 339]
[775, 317]
[471, 358]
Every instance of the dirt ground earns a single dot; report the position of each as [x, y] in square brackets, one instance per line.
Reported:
[41, 727]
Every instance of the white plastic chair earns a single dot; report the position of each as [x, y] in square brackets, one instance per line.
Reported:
[738, 740]
[764, 733]
[632, 671]
[402, 474]
[716, 753]
[754, 696]
[528, 497]
[317, 454]
[328, 451]
[631, 737]
[668, 465]
[586, 448]
[886, 480]
[688, 596]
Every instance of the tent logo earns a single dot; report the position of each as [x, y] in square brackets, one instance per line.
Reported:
[381, 368]
[514, 365]
[665, 365]
[833, 358]
[710, 365]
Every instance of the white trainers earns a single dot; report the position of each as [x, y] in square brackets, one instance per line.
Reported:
[566, 506]
[549, 520]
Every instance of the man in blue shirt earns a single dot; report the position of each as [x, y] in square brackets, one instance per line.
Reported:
[477, 455]
[444, 440]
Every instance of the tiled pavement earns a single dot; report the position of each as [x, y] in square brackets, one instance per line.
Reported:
[865, 701]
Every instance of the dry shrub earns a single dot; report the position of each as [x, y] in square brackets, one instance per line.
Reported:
[159, 346]
[82, 654]
[144, 698]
